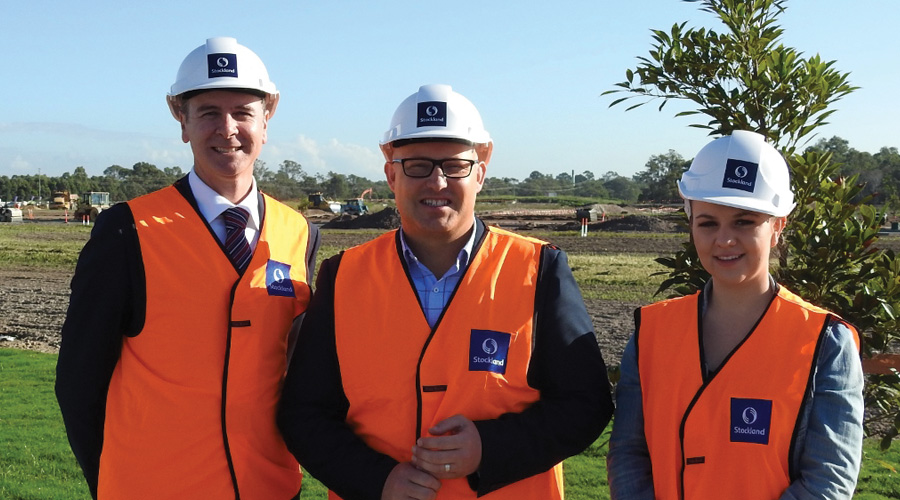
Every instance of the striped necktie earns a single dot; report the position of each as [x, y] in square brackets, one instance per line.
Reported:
[235, 239]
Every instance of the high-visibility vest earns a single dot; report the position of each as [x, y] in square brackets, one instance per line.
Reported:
[402, 377]
[192, 401]
[733, 435]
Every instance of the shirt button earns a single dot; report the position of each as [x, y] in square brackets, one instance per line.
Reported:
[435, 290]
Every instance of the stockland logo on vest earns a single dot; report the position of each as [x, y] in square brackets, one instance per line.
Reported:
[740, 174]
[222, 65]
[488, 350]
[751, 420]
[278, 279]
[432, 114]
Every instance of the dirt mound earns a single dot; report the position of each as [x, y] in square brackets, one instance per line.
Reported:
[383, 219]
[641, 223]
[632, 223]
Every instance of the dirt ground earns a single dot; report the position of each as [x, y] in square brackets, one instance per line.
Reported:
[33, 307]
[33, 302]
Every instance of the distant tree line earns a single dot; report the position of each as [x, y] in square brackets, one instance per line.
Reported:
[879, 172]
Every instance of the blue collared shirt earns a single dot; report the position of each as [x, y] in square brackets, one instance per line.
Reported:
[434, 292]
[829, 435]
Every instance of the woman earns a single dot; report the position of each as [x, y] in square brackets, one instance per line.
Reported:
[742, 390]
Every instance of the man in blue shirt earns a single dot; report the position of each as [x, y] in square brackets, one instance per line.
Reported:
[368, 428]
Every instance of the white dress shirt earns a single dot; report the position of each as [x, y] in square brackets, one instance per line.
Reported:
[212, 205]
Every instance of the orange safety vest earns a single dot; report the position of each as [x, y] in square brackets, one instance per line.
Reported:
[732, 436]
[192, 401]
[402, 377]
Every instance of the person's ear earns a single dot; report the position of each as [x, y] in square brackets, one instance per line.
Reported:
[390, 174]
[778, 225]
[484, 152]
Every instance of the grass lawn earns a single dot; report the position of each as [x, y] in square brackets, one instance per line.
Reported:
[37, 464]
[41, 245]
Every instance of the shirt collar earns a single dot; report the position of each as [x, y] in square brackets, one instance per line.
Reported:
[212, 204]
[462, 260]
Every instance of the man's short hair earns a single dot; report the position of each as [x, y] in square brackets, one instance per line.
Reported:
[193, 93]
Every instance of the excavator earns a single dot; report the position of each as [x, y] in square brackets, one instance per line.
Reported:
[356, 206]
[352, 206]
[318, 201]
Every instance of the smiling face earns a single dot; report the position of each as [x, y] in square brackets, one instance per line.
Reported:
[734, 244]
[435, 207]
[226, 131]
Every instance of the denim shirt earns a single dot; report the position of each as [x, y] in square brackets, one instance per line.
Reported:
[829, 436]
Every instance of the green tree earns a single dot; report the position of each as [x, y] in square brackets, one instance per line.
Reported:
[144, 178]
[538, 184]
[658, 180]
[80, 182]
[261, 171]
[621, 188]
[745, 79]
[888, 161]
[852, 162]
[173, 173]
[336, 186]
[591, 189]
[291, 171]
[117, 172]
[356, 185]
[499, 186]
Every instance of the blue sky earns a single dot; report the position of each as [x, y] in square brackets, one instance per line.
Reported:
[85, 82]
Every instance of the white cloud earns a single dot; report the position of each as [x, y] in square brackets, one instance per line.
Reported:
[332, 155]
[20, 165]
[55, 148]
[163, 153]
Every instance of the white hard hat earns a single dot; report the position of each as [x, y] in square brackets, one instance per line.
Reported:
[437, 112]
[742, 171]
[221, 63]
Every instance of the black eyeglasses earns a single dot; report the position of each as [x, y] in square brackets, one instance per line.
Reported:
[454, 168]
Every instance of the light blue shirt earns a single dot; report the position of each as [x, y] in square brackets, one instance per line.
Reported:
[434, 293]
[829, 436]
[212, 205]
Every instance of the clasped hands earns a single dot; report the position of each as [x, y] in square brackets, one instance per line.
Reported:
[452, 451]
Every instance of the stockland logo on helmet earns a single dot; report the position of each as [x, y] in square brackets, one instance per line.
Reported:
[740, 174]
[432, 114]
[222, 65]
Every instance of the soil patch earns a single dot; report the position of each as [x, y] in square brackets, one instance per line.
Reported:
[387, 218]
[33, 301]
[33, 304]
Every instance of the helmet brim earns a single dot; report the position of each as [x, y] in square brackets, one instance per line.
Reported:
[743, 202]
